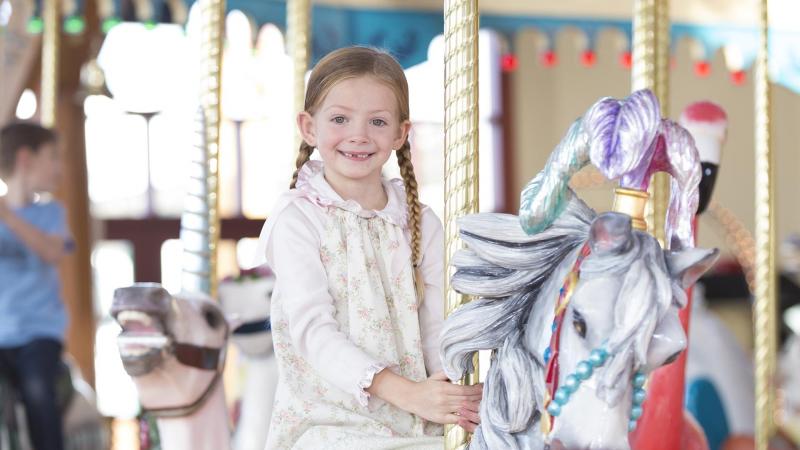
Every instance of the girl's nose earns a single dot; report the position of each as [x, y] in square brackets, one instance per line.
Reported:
[358, 137]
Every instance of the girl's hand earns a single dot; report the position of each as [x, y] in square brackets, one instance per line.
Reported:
[437, 400]
[468, 415]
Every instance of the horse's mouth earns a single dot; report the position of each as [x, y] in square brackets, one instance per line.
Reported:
[142, 342]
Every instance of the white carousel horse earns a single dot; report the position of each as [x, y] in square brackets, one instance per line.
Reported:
[174, 348]
[789, 379]
[246, 301]
[719, 377]
[621, 323]
[578, 308]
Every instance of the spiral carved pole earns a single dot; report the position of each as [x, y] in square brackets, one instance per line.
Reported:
[651, 71]
[298, 30]
[200, 240]
[50, 50]
[765, 280]
[661, 425]
[461, 150]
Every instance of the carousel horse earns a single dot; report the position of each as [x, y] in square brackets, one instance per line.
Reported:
[719, 373]
[246, 301]
[719, 378]
[578, 308]
[174, 349]
[789, 382]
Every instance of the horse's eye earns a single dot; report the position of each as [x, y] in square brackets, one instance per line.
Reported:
[213, 317]
[579, 324]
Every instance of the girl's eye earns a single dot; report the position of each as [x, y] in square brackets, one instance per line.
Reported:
[338, 119]
[378, 122]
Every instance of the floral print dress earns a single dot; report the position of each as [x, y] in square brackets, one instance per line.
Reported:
[344, 308]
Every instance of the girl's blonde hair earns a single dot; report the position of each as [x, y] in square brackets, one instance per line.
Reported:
[354, 62]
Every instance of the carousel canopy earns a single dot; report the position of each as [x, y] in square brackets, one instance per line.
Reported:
[406, 27]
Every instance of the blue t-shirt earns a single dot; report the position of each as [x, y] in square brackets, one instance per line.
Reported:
[30, 290]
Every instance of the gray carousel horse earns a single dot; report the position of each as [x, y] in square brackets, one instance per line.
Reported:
[174, 349]
[174, 346]
[577, 308]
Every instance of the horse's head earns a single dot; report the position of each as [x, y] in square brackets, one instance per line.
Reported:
[620, 301]
[620, 319]
[172, 346]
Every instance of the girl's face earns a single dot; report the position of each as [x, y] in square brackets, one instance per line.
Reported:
[355, 129]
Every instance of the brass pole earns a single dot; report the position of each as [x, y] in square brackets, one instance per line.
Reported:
[660, 190]
[213, 13]
[765, 282]
[651, 71]
[461, 150]
[643, 75]
[50, 44]
[298, 30]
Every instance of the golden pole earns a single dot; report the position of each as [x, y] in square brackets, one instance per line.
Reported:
[765, 282]
[298, 24]
[661, 428]
[50, 42]
[461, 150]
[643, 74]
[660, 185]
[213, 13]
[651, 71]
[662, 58]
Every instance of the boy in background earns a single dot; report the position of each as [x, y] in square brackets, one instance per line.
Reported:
[33, 239]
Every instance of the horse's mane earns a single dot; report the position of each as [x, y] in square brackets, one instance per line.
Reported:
[508, 271]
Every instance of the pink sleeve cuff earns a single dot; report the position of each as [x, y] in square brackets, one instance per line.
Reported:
[366, 381]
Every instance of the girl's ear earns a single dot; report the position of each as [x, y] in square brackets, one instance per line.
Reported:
[305, 123]
[405, 128]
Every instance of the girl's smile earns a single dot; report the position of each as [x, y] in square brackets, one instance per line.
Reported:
[356, 156]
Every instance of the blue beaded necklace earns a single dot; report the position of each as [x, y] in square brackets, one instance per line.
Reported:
[558, 396]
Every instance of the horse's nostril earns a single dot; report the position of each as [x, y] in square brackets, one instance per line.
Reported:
[672, 358]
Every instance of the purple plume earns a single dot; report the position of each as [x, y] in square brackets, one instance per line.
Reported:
[677, 155]
[621, 133]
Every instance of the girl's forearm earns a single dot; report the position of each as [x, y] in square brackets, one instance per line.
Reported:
[392, 388]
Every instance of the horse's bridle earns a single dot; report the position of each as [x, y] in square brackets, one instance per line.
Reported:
[556, 396]
[199, 357]
[551, 355]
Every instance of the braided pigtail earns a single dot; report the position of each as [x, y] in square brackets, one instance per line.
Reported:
[302, 157]
[414, 215]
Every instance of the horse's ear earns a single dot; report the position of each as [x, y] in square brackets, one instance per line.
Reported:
[688, 265]
[610, 233]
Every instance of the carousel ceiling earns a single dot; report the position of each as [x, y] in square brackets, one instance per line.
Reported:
[406, 27]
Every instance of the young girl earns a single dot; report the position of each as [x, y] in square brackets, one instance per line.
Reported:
[358, 303]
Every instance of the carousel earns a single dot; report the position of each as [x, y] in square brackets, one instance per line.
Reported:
[615, 181]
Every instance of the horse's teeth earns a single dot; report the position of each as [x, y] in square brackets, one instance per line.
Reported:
[134, 316]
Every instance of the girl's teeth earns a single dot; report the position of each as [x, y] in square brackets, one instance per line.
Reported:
[362, 156]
